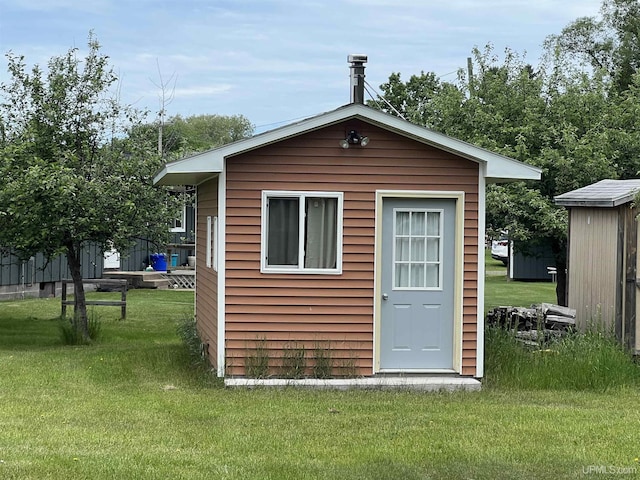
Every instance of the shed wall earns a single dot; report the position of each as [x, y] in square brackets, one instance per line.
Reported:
[335, 310]
[592, 265]
[206, 277]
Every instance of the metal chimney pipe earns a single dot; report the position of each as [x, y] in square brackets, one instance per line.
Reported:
[357, 77]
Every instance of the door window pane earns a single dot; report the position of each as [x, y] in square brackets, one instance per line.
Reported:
[433, 275]
[403, 223]
[403, 251]
[433, 249]
[418, 244]
[402, 275]
[417, 223]
[433, 224]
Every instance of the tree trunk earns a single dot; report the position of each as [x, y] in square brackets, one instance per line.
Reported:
[80, 303]
[559, 249]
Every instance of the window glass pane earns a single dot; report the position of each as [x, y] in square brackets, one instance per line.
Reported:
[433, 277]
[417, 223]
[433, 223]
[283, 231]
[433, 249]
[402, 249]
[321, 243]
[402, 275]
[418, 249]
[402, 223]
[417, 275]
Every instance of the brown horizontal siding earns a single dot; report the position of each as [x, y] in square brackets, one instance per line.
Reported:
[334, 308]
[206, 278]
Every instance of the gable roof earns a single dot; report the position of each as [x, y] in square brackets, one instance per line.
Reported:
[605, 193]
[198, 168]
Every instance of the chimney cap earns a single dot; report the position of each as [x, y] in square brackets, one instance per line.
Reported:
[357, 58]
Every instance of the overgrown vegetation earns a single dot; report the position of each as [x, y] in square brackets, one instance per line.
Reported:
[294, 362]
[323, 361]
[591, 360]
[257, 359]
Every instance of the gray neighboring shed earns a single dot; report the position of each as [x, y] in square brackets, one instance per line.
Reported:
[602, 256]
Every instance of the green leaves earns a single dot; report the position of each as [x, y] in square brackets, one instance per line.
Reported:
[70, 172]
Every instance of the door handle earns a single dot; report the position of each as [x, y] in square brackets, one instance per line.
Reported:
[385, 296]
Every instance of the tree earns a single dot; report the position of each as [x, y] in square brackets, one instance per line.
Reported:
[562, 122]
[189, 135]
[610, 43]
[70, 172]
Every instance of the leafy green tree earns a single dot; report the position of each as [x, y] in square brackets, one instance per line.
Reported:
[562, 122]
[609, 43]
[189, 135]
[70, 173]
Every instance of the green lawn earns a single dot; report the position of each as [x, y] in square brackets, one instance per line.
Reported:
[499, 291]
[135, 406]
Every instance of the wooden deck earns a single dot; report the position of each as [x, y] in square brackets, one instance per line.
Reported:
[176, 279]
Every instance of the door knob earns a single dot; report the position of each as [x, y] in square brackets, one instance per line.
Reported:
[385, 296]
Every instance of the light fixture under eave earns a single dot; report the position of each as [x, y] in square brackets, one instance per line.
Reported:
[354, 138]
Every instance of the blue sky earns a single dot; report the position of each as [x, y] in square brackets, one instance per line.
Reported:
[274, 61]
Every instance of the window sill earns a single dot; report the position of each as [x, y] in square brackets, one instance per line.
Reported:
[298, 271]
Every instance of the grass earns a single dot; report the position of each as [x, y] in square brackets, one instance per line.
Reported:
[500, 292]
[133, 406]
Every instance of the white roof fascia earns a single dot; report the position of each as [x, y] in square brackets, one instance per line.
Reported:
[195, 169]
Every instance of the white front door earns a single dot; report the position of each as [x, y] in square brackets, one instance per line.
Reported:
[417, 284]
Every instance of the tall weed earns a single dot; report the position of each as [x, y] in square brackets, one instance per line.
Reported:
[592, 360]
[71, 332]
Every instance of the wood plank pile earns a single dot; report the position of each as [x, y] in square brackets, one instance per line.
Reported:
[546, 319]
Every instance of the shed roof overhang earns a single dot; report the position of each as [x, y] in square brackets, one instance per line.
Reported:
[201, 167]
[605, 193]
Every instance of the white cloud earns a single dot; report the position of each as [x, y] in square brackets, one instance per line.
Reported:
[276, 59]
[207, 90]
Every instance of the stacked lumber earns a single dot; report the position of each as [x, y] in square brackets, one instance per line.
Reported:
[535, 323]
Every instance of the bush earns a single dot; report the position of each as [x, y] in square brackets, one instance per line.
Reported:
[593, 360]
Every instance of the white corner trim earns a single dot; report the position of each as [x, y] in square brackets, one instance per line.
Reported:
[482, 226]
[222, 215]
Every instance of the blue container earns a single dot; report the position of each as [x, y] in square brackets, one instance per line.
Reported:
[158, 262]
[174, 259]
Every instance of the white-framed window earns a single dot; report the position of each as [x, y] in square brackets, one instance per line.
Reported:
[212, 239]
[301, 232]
[417, 249]
[179, 224]
[214, 245]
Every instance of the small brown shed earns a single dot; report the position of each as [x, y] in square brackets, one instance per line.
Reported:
[602, 261]
[355, 235]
